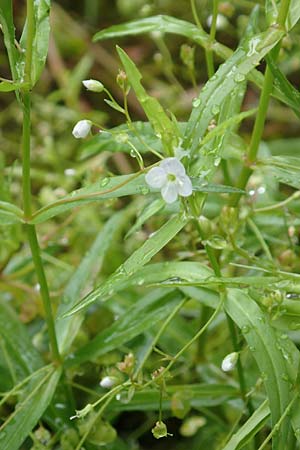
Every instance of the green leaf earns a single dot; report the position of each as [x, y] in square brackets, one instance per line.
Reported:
[161, 23]
[138, 259]
[115, 105]
[106, 141]
[8, 86]
[115, 187]
[41, 38]
[9, 213]
[272, 9]
[68, 327]
[291, 93]
[20, 350]
[27, 413]
[150, 210]
[285, 169]
[268, 353]
[249, 428]
[8, 29]
[144, 314]
[223, 83]
[198, 395]
[159, 120]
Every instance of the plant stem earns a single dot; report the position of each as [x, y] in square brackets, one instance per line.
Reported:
[26, 185]
[262, 111]
[212, 35]
[38, 264]
[29, 40]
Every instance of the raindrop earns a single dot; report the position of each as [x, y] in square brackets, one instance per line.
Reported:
[145, 190]
[104, 182]
[215, 109]
[285, 377]
[252, 348]
[245, 329]
[284, 336]
[140, 282]
[261, 190]
[132, 153]
[217, 161]
[69, 172]
[252, 47]
[196, 102]
[239, 77]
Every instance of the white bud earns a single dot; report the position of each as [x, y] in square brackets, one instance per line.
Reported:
[82, 129]
[108, 382]
[229, 362]
[93, 85]
[222, 22]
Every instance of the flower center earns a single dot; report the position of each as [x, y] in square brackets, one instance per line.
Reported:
[171, 177]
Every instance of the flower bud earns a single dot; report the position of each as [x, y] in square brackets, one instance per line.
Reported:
[108, 382]
[93, 85]
[82, 129]
[160, 430]
[229, 362]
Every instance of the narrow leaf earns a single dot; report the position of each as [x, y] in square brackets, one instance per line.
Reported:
[139, 258]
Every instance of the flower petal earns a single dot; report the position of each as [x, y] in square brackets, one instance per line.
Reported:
[156, 177]
[184, 186]
[82, 129]
[173, 166]
[169, 192]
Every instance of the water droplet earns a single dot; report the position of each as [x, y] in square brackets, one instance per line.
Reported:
[261, 190]
[104, 182]
[60, 405]
[140, 282]
[215, 109]
[217, 161]
[261, 319]
[252, 47]
[251, 192]
[132, 153]
[111, 292]
[245, 329]
[145, 190]
[252, 348]
[239, 77]
[69, 172]
[264, 376]
[284, 336]
[196, 102]
[285, 377]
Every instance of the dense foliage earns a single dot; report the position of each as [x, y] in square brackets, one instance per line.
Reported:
[149, 200]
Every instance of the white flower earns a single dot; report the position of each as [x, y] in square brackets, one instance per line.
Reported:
[171, 179]
[107, 382]
[229, 362]
[82, 129]
[93, 85]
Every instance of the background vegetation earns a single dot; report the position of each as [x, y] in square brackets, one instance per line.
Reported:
[153, 296]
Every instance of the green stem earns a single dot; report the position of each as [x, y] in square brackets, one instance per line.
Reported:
[26, 183]
[260, 238]
[262, 111]
[38, 264]
[29, 40]
[212, 35]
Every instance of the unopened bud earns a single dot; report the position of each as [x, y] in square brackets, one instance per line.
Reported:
[93, 85]
[82, 129]
[229, 362]
[108, 382]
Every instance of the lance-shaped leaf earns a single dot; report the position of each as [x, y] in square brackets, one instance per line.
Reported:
[8, 29]
[274, 362]
[138, 259]
[223, 83]
[67, 328]
[162, 125]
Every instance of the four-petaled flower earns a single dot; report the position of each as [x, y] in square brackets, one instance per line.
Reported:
[170, 177]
